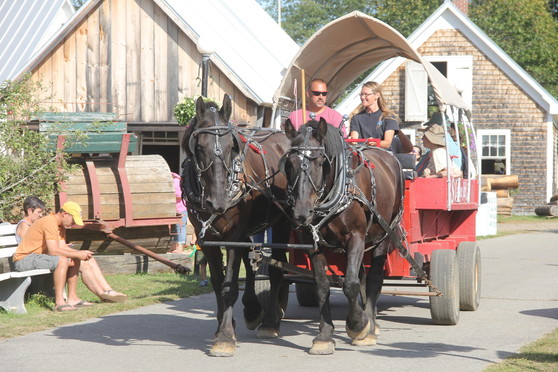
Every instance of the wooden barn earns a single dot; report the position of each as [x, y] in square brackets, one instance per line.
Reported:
[515, 118]
[138, 58]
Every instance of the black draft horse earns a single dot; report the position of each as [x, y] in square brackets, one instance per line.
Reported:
[340, 198]
[233, 189]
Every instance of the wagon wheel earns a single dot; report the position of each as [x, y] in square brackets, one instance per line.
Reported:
[306, 294]
[469, 259]
[444, 274]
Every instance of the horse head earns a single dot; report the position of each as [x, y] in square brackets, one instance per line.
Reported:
[307, 166]
[212, 150]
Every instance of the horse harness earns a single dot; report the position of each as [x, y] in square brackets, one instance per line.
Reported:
[343, 191]
[239, 184]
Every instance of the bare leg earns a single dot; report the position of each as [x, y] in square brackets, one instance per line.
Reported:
[72, 277]
[60, 275]
[95, 281]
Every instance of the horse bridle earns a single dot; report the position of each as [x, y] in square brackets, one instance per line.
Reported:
[234, 187]
[305, 153]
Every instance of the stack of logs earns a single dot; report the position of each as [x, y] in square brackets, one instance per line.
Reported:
[502, 186]
[550, 209]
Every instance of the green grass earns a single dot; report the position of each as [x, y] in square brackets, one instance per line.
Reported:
[540, 356]
[142, 290]
[514, 219]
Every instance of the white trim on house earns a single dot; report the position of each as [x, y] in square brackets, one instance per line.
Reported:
[550, 154]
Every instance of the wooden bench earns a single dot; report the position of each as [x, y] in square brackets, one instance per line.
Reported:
[13, 284]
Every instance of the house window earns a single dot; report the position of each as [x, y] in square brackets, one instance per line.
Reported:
[494, 151]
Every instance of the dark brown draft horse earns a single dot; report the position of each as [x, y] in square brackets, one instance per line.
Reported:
[233, 189]
[340, 198]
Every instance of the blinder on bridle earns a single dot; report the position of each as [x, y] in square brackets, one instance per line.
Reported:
[306, 154]
[233, 171]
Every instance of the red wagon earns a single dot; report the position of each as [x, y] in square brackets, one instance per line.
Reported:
[440, 239]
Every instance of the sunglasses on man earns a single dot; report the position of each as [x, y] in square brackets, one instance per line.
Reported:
[316, 93]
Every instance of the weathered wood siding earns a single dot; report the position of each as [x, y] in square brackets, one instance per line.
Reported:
[498, 103]
[128, 57]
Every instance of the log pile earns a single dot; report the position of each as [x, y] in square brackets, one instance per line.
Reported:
[501, 184]
[550, 209]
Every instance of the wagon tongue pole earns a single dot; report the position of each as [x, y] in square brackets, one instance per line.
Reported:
[176, 267]
[107, 229]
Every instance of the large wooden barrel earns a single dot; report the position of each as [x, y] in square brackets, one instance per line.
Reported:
[151, 188]
[152, 194]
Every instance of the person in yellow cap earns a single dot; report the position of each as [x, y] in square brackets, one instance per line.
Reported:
[44, 247]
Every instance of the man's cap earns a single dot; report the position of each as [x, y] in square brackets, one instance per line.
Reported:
[75, 210]
[435, 119]
[436, 135]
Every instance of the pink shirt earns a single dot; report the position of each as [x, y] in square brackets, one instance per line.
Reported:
[330, 115]
[180, 207]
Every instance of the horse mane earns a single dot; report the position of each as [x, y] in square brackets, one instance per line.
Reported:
[193, 123]
[333, 142]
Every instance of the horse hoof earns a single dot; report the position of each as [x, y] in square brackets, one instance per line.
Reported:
[376, 329]
[267, 333]
[222, 349]
[253, 324]
[359, 335]
[322, 348]
[369, 340]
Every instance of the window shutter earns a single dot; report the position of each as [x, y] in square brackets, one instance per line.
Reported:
[460, 73]
[416, 91]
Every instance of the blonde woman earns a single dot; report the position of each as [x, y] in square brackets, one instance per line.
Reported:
[375, 120]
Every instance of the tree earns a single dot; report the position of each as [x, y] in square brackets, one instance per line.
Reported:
[28, 165]
[301, 18]
[526, 31]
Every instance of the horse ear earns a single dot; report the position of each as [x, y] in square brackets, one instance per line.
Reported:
[290, 130]
[200, 108]
[322, 130]
[226, 109]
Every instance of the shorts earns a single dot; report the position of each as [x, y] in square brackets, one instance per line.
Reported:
[200, 258]
[180, 236]
[37, 261]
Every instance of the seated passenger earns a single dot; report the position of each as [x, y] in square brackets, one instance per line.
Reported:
[316, 105]
[453, 146]
[434, 139]
[375, 120]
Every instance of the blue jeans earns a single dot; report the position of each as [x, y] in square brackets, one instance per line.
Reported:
[260, 237]
[180, 236]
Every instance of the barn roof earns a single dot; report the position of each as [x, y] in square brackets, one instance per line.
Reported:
[25, 26]
[448, 16]
[251, 49]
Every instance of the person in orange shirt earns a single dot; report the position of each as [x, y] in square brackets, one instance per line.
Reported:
[43, 246]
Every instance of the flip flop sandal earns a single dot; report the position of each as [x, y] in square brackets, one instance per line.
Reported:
[66, 307]
[113, 296]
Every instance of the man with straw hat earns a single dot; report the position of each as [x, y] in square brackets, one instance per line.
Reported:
[434, 139]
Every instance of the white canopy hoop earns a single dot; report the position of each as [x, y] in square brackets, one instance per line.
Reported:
[345, 48]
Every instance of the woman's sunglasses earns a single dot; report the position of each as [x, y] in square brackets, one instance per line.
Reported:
[316, 93]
